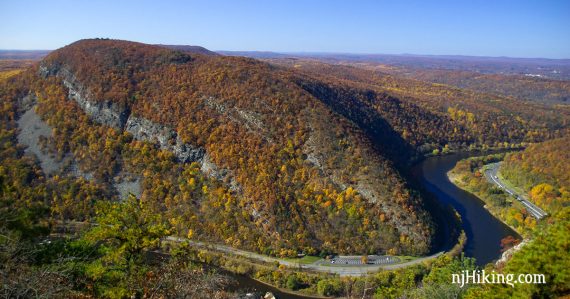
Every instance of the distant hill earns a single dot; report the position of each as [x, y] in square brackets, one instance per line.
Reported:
[255, 54]
[558, 69]
[540, 67]
[23, 54]
[536, 79]
[190, 49]
[463, 117]
[529, 86]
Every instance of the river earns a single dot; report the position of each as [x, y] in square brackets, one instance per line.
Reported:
[484, 232]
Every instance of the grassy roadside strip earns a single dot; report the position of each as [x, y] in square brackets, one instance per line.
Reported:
[511, 186]
[306, 263]
[468, 175]
[305, 260]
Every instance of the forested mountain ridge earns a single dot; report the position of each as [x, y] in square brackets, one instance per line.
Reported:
[190, 49]
[432, 115]
[268, 158]
[519, 86]
[267, 166]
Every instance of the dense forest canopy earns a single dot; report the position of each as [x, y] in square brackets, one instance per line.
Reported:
[542, 170]
[464, 117]
[283, 158]
[290, 174]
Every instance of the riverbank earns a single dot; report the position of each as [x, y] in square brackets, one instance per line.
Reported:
[456, 176]
[277, 277]
[437, 167]
[454, 179]
[275, 272]
[293, 284]
[475, 151]
[484, 232]
[468, 175]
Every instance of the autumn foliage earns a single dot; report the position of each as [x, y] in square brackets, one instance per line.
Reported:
[542, 170]
[300, 169]
[315, 156]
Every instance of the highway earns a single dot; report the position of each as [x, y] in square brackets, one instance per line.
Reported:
[491, 175]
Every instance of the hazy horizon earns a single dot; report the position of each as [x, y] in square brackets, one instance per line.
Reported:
[518, 29]
[309, 53]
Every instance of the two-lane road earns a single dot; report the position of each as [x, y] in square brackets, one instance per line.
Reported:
[491, 175]
[354, 268]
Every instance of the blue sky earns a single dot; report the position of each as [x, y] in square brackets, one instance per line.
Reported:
[521, 28]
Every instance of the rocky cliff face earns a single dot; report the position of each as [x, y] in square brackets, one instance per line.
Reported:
[508, 254]
[167, 139]
[104, 112]
[113, 115]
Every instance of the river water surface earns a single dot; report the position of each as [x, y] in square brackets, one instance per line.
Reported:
[484, 232]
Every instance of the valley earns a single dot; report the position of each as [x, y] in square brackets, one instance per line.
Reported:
[246, 165]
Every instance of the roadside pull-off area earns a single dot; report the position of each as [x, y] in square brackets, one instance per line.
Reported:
[341, 265]
[491, 175]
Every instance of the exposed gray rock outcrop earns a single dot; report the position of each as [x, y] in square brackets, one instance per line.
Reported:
[32, 128]
[104, 112]
[125, 187]
[167, 139]
[28, 102]
[211, 169]
[111, 114]
[118, 116]
[508, 254]
[251, 120]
